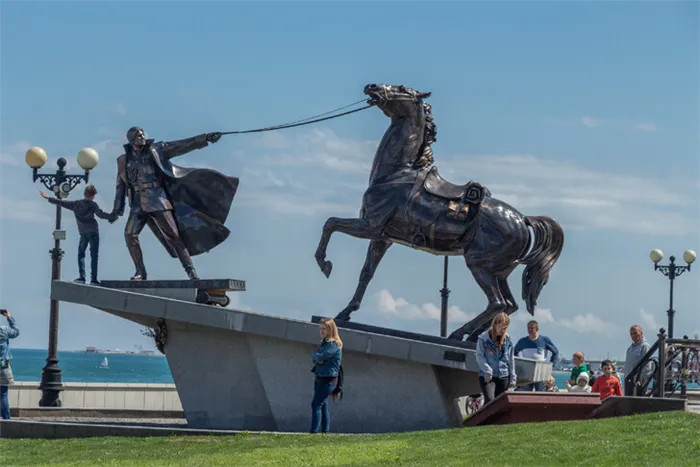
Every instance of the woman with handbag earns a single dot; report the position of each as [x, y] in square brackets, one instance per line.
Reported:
[6, 378]
[495, 357]
[329, 374]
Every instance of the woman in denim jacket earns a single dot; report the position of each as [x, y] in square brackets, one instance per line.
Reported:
[6, 378]
[326, 359]
[496, 359]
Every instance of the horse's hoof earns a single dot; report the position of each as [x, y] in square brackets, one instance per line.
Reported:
[326, 268]
[343, 316]
[457, 336]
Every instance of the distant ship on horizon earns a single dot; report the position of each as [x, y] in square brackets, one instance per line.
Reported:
[138, 350]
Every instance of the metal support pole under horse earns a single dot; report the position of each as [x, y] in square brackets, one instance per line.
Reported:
[444, 293]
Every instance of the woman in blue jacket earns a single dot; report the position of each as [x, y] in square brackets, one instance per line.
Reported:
[6, 378]
[496, 359]
[327, 360]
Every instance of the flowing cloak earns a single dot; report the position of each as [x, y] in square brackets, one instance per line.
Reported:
[201, 198]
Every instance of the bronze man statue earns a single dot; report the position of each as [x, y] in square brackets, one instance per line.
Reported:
[185, 208]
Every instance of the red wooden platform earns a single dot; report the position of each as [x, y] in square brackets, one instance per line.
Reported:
[530, 406]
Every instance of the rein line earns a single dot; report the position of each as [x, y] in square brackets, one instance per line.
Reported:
[305, 121]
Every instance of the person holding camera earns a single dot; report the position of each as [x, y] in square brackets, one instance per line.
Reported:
[6, 378]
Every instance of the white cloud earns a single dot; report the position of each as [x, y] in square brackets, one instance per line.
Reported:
[649, 321]
[584, 324]
[308, 204]
[592, 122]
[399, 307]
[578, 197]
[644, 126]
[109, 148]
[13, 154]
[318, 148]
[542, 316]
[281, 195]
[588, 324]
[34, 211]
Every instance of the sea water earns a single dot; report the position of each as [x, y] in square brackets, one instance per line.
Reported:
[84, 367]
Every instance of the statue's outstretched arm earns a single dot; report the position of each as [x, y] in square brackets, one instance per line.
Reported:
[170, 149]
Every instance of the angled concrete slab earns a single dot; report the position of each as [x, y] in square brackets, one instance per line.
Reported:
[242, 370]
[528, 406]
[620, 406]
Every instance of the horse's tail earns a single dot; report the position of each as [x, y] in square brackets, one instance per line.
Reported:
[548, 244]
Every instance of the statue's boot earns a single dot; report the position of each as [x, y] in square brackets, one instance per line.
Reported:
[137, 258]
[186, 261]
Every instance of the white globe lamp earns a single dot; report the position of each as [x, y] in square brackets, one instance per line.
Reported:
[88, 159]
[656, 255]
[35, 157]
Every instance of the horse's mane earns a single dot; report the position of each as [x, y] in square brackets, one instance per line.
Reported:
[425, 154]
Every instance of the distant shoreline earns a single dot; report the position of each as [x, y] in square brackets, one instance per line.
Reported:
[154, 353]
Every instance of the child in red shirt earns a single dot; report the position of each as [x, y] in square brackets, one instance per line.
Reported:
[607, 385]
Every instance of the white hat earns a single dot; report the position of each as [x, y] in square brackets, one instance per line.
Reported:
[582, 375]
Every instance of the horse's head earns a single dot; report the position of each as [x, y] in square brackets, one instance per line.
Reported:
[396, 101]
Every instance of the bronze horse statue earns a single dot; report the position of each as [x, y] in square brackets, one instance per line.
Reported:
[409, 203]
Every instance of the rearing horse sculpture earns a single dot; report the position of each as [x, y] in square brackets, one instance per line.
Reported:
[407, 202]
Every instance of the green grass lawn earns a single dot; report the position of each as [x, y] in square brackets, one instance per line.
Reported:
[659, 439]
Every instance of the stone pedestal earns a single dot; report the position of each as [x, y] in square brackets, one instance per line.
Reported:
[249, 371]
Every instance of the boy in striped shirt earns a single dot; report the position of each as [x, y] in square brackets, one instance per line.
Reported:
[535, 346]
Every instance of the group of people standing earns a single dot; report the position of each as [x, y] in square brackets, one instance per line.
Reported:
[495, 357]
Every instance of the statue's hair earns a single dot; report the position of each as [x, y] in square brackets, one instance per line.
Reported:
[425, 155]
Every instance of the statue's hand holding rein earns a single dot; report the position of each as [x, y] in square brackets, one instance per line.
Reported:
[213, 137]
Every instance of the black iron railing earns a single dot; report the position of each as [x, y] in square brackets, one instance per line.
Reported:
[666, 369]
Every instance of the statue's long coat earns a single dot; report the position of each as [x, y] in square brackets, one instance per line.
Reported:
[201, 198]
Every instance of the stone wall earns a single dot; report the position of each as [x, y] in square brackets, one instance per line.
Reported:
[25, 395]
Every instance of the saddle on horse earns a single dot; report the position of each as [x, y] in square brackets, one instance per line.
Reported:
[459, 196]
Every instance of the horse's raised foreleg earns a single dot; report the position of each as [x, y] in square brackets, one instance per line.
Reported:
[375, 253]
[358, 228]
[488, 281]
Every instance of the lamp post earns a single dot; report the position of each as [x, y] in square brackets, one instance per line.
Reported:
[671, 270]
[444, 294]
[60, 184]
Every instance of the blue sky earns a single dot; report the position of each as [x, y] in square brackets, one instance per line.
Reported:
[586, 112]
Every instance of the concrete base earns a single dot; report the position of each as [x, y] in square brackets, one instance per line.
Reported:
[18, 429]
[240, 370]
[63, 412]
